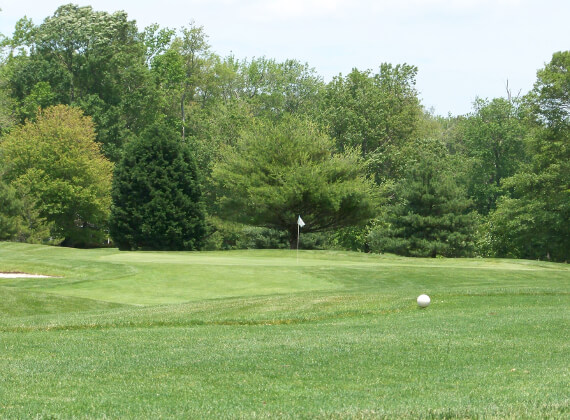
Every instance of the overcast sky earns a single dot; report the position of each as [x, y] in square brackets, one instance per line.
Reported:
[463, 48]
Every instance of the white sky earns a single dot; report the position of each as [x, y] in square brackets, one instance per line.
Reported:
[463, 48]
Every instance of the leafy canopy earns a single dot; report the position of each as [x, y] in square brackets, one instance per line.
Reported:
[56, 163]
[533, 221]
[378, 113]
[85, 58]
[493, 139]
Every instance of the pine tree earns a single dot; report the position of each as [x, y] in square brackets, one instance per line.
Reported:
[278, 171]
[430, 214]
[156, 194]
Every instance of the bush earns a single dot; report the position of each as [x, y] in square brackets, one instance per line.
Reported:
[226, 235]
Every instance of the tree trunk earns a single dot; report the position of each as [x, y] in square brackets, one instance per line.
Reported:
[293, 239]
[292, 242]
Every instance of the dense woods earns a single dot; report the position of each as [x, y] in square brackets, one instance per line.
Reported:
[211, 152]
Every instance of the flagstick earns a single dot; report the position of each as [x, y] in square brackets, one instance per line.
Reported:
[298, 233]
[300, 224]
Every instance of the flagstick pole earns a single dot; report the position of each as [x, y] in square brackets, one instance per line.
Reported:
[298, 233]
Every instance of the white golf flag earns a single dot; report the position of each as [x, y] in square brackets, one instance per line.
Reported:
[300, 222]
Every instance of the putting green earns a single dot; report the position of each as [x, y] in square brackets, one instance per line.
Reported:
[149, 278]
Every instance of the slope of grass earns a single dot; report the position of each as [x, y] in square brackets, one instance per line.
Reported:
[258, 334]
[19, 303]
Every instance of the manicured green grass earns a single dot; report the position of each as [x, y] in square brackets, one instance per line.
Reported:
[262, 334]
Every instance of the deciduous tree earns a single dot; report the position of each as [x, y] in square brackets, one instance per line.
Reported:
[83, 57]
[377, 113]
[55, 163]
[493, 138]
[533, 221]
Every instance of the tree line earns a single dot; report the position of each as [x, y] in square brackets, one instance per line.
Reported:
[150, 140]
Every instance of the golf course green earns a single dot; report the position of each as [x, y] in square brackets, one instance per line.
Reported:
[280, 334]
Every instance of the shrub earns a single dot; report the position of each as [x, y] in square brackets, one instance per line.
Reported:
[156, 194]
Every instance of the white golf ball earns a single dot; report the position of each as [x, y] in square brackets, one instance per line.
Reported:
[423, 301]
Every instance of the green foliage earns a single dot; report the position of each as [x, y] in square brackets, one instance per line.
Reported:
[274, 89]
[377, 113]
[20, 220]
[81, 57]
[41, 96]
[552, 91]
[156, 194]
[430, 213]
[180, 70]
[352, 238]
[493, 139]
[227, 235]
[7, 104]
[212, 127]
[534, 220]
[59, 170]
[277, 171]
[22, 39]
[510, 156]
[10, 209]
[156, 41]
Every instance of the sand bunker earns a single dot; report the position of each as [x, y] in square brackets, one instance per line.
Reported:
[21, 275]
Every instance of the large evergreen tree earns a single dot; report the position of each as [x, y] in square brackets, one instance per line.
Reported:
[156, 194]
[429, 214]
[278, 171]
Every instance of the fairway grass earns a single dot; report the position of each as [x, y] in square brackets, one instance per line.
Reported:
[264, 334]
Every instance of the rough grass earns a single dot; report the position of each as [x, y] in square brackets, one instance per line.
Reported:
[258, 334]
